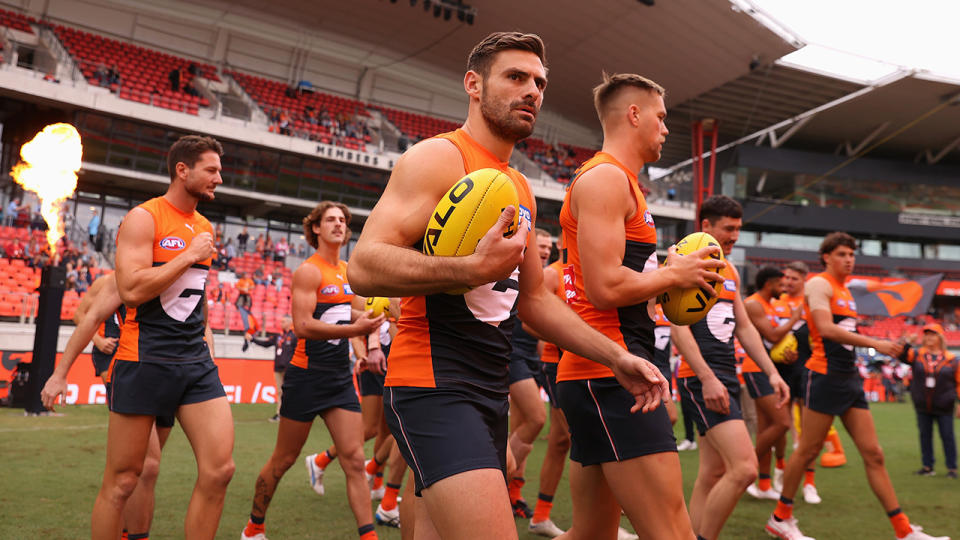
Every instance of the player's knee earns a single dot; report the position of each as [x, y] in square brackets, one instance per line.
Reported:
[150, 472]
[562, 443]
[873, 456]
[124, 483]
[352, 462]
[217, 476]
[744, 472]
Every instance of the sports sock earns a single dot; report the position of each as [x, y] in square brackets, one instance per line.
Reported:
[323, 459]
[781, 463]
[541, 512]
[763, 482]
[516, 484]
[900, 522]
[123, 535]
[141, 536]
[367, 533]
[784, 510]
[378, 480]
[389, 501]
[254, 526]
[808, 477]
[371, 466]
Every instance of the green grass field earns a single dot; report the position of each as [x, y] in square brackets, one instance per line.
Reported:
[52, 468]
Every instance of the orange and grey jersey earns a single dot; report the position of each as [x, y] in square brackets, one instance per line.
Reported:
[170, 326]
[714, 333]
[630, 326]
[831, 357]
[784, 306]
[333, 307]
[661, 339]
[551, 353]
[461, 339]
[769, 311]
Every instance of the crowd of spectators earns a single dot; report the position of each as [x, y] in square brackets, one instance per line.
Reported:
[340, 127]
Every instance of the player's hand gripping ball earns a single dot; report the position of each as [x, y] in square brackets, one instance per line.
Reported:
[467, 211]
[686, 306]
[788, 343]
[379, 305]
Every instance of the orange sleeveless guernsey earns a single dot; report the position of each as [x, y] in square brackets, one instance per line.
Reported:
[551, 353]
[630, 326]
[170, 326]
[461, 338]
[830, 357]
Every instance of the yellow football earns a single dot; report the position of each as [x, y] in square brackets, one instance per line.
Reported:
[687, 306]
[788, 343]
[467, 211]
[379, 305]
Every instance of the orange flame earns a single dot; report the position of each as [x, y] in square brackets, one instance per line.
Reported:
[49, 169]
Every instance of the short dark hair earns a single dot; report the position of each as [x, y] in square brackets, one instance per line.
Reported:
[483, 53]
[834, 240]
[188, 149]
[316, 215]
[766, 274]
[612, 85]
[719, 206]
[799, 267]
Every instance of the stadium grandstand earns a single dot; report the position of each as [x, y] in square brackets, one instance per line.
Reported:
[318, 100]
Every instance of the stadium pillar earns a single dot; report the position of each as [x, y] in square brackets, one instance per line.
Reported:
[52, 281]
[703, 185]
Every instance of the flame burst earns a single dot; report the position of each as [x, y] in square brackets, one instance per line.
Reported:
[49, 169]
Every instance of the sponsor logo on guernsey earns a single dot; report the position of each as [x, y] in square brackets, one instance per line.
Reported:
[841, 303]
[525, 214]
[347, 289]
[648, 217]
[730, 285]
[853, 304]
[189, 226]
[330, 290]
[173, 243]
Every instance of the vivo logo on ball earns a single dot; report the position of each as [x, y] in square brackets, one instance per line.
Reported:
[173, 243]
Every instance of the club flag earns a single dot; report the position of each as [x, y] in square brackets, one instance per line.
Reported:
[891, 298]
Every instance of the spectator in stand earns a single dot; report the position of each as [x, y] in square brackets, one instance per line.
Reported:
[242, 239]
[935, 388]
[113, 74]
[280, 250]
[283, 125]
[174, 78]
[83, 278]
[244, 286]
[230, 252]
[258, 276]
[277, 278]
[14, 250]
[71, 282]
[51, 76]
[102, 75]
[94, 226]
[258, 245]
[267, 248]
[37, 222]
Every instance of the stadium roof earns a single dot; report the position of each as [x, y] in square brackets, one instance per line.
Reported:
[689, 46]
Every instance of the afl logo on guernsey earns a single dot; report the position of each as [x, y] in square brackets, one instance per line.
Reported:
[525, 214]
[330, 289]
[730, 285]
[648, 217]
[173, 243]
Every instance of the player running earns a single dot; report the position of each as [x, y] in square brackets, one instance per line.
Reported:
[318, 381]
[708, 381]
[446, 390]
[832, 387]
